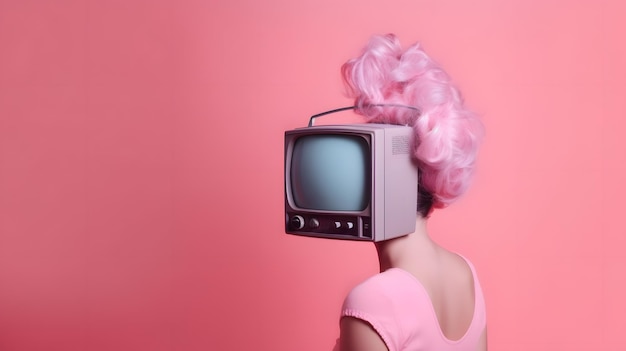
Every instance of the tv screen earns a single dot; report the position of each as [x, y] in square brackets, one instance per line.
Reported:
[331, 172]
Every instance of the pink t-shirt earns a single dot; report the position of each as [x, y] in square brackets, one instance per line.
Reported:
[398, 307]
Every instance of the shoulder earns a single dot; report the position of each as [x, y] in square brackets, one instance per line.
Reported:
[467, 272]
[375, 294]
[460, 269]
[373, 309]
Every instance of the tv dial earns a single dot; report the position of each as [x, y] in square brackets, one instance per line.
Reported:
[314, 223]
[297, 222]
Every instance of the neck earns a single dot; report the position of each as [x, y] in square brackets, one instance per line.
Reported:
[406, 251]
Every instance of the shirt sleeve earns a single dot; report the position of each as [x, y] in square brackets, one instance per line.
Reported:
[371, 303]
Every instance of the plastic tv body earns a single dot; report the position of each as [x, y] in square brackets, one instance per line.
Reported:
[352, 182]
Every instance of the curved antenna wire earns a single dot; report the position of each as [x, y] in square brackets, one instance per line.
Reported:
[312, 119]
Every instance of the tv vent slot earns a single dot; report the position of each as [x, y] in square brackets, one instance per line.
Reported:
[400, 145]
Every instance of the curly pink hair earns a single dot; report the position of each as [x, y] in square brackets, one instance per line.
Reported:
[447, 134]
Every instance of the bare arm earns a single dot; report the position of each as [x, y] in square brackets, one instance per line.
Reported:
[358, 335]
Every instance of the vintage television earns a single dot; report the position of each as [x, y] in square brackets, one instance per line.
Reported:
[352, 181]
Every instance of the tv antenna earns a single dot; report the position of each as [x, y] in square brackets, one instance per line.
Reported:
[312, 119]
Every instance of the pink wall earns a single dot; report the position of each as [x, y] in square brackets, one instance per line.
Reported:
[141, 169]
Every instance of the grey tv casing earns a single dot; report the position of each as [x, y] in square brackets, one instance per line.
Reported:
[392, 208]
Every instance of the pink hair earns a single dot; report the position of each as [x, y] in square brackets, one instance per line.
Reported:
[447, 134]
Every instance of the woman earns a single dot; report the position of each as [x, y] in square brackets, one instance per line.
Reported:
[425, 298]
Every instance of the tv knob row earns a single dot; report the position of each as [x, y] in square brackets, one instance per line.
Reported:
[298, 222]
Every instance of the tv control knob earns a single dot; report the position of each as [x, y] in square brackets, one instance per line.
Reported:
[314, 223]
[297, 222]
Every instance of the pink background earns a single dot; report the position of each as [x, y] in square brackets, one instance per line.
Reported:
[141, 159]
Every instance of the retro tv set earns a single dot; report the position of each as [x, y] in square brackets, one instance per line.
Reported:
[351, 181]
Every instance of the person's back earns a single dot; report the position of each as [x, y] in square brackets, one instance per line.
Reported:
[430, 300]
[449, 282]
